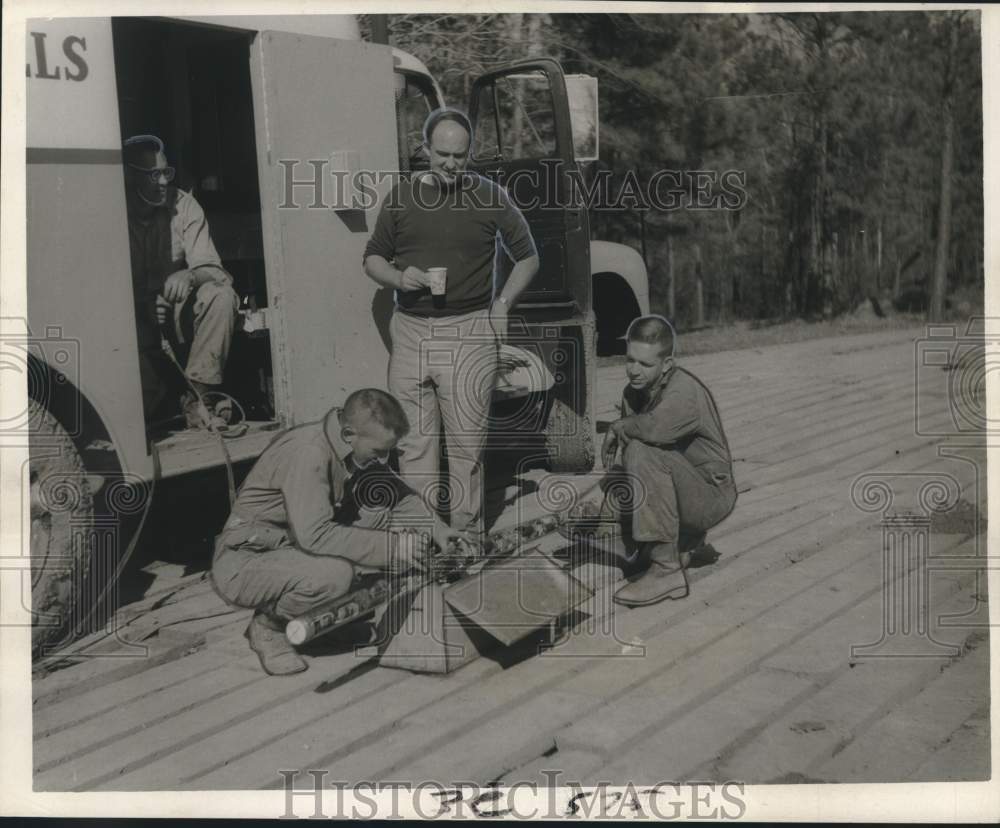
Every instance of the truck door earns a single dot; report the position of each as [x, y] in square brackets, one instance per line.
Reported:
[524, 140]
[322, 106]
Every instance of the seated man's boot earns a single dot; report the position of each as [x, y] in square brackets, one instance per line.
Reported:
[267, 638]
[663, 578]
[206, 413]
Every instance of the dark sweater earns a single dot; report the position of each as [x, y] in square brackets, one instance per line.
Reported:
[425, 226]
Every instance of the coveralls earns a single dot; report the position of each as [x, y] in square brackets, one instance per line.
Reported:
[304, 523]
[676, 460]
[171, 238]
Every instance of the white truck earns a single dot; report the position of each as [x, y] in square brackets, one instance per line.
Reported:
[246, 107]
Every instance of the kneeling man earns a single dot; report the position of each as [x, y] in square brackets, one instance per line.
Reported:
[321, 505]
[675, 455]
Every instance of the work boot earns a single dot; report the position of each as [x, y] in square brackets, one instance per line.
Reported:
[663, 578]
[267, 639]
[199, 415]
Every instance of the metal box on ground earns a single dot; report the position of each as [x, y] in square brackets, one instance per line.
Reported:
[441, 627]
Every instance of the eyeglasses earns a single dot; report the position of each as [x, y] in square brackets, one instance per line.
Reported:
[154, 173]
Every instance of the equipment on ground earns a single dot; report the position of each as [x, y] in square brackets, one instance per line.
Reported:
[471, 598]
[337, 613]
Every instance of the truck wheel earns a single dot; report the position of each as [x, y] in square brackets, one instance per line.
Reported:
[62, 514]
[569, 440]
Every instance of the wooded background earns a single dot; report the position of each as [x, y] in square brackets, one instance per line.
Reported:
[860, 134]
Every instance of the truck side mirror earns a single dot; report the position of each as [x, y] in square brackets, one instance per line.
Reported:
[420, 159]
[581, 90]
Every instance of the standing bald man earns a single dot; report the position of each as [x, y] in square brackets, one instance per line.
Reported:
[444, 348]
[182, 292]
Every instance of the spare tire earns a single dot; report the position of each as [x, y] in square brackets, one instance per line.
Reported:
[62, 517]
[569, 440]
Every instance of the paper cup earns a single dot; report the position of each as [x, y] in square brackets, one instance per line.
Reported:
[439, 278]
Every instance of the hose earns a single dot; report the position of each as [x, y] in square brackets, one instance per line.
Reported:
[204, 412]
[231, 485]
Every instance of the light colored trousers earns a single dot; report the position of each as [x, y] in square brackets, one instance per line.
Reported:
[204, 323]
[443, 372]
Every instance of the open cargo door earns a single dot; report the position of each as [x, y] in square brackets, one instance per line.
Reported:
[321, 106]
[524, 140]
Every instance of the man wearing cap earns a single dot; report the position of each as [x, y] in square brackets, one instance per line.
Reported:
[676, 460]
[444, 348]
[182, 292]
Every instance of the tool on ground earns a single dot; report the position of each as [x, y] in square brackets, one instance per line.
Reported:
[345, 609]
[337, 613]
[448, 566]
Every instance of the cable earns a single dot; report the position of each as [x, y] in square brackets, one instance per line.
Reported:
[204, 412]
[232, 611]
[224, 397]
[230, 481]
[82, 653]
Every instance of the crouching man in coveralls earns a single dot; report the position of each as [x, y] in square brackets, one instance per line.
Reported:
[321, 505]
[676, 460]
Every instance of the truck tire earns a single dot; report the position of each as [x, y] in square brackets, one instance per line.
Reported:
[569, 440]
[62, 515]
